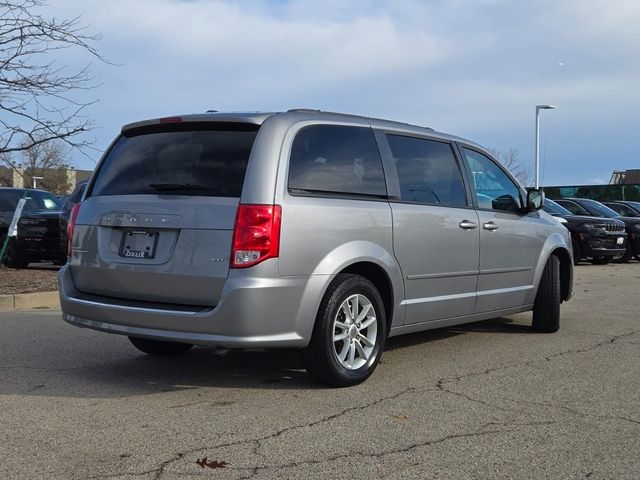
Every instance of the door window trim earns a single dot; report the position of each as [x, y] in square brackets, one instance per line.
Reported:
[391, 174]
[460, 146]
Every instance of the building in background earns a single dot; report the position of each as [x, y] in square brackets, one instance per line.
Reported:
[625, 177]
[60, 181]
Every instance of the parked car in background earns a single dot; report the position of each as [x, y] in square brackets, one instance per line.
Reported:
[38, 230]
[305, 229]
[72, 199]
[625, 208]
[596, 239]
[585, 206]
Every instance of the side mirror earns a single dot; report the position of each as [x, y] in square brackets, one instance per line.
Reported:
[535, 199]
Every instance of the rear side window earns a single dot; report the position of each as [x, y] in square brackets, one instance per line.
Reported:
[427, 171]
[178, 159]
[336, 159]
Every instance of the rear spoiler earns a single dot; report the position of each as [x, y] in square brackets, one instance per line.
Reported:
[253, 119]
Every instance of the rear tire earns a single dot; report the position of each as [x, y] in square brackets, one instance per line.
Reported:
[346, 348]
[546, 308]
[159, 348]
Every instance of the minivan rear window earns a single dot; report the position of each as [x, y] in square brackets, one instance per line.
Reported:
[180, 159]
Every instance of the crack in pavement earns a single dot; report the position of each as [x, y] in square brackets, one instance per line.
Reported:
[576, 412]
[159, 471]
[336, 415]
[440, 384]
[479, 432]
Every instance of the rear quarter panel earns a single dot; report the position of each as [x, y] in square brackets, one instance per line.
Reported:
[321, 236]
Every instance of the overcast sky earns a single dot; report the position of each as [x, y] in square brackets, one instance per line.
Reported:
[474, 68]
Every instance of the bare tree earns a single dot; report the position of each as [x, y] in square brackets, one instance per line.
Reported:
[36, 92]
[46, 161]
[512, 163]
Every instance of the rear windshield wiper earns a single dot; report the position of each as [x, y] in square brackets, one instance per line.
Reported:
[169, 187]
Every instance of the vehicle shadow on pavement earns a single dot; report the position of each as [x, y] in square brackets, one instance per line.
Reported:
[45, 267]
[419, 338]
[495, 325]
[101, 368]
[140, 374]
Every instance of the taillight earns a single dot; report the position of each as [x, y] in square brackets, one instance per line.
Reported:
[171, 120]
[70, 227]
[256, 235]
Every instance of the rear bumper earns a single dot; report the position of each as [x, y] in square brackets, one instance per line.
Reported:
[254, 311]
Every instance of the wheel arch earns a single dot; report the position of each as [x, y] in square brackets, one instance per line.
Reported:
[380, 279]
[365, 258]
[557, 246]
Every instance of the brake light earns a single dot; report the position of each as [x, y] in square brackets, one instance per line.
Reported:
[73, 216]
[256, 235]
[171, 120]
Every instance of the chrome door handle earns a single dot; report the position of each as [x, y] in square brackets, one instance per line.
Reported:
[492, 227]
[467, 225]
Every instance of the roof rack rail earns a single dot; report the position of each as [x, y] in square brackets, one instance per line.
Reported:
[315, 110]
[212, 111]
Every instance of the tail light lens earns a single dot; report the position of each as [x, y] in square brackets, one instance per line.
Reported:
[73, 216]
[256, 236]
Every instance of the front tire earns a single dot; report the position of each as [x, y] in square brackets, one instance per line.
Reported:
[601, 260]
[546, 308]
[159, 348]
[349, 333]
[14, 258]
[577, 252]
[628, 255]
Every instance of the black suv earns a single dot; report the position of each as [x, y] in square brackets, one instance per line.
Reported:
[38, 233]
[594, 238]
[624, 208]
[584, 206]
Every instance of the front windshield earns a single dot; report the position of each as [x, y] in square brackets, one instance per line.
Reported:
[598, 210]
[554, 209]
[634, 205]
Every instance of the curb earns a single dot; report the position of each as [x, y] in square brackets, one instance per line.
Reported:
[30, 301]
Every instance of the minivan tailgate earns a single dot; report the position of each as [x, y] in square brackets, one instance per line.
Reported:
[157, 248]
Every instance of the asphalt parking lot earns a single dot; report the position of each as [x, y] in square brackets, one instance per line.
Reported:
[487, 400]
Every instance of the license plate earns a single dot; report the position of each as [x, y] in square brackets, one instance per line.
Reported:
[620, 240]
[139, 244]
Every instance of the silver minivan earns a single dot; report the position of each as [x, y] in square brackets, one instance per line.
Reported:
[307, 229]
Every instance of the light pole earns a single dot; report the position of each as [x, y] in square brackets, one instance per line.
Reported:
[538, 108]
[35, 181]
